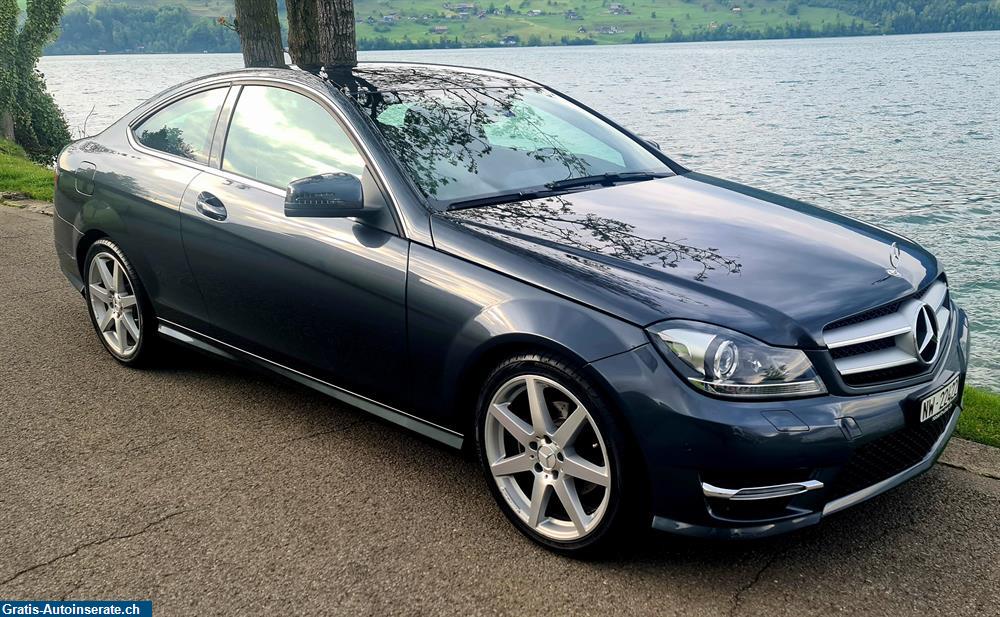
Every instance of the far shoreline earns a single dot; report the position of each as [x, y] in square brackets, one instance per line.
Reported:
[556, 45]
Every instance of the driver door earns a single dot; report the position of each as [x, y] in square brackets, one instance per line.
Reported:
[323, 296]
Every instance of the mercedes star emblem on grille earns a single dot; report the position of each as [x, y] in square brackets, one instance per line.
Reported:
[925, 334]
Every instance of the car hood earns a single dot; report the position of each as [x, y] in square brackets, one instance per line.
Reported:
[694, 247]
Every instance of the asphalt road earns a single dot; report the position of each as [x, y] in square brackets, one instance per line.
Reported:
[215, 490]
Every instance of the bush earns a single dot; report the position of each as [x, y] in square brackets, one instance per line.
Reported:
[39, 125]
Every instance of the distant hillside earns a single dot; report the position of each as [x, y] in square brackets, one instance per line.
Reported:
[130, 26]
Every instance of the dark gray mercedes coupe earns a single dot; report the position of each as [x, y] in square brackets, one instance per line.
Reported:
[623, 342]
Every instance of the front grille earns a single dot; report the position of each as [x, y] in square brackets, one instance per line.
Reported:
[881, 311]
[891, 342]
[887, 456]
[860, 348]
[886, 375]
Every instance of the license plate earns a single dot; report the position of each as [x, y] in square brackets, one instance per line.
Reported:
[939, 402]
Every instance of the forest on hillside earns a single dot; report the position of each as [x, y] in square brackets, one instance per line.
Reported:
[422, 24]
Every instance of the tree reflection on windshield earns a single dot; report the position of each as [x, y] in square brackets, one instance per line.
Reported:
[479, 137]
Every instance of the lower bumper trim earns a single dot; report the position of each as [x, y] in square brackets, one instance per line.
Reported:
[661, 523]
[760, 492]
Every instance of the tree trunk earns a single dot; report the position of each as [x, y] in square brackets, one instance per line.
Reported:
[260, 33]
[303, 35]
[337, 44]
[7, 126]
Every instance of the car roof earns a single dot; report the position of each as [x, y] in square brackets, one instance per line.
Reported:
[390, 77]
[397, 76]
[367, 76]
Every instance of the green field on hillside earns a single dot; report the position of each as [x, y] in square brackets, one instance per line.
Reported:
[551, 22]
[656, 19]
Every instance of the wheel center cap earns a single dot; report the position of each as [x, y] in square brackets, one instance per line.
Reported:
[547, 457]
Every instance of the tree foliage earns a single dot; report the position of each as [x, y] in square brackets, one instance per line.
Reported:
[117, 28]
[39, 126]
[911, 16]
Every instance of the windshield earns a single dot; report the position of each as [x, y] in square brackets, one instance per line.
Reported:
[462, 145]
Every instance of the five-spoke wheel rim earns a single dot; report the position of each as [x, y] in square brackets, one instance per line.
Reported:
[112, 298]
[547, 457]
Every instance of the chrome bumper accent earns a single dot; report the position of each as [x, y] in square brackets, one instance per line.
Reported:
[760, 492]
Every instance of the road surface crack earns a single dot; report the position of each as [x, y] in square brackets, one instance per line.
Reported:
[328, 431]
[111, 538]
[738, 596]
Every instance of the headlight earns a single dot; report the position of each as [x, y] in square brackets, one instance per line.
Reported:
[728, 363]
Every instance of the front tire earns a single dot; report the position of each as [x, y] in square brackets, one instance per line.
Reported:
[117, 304]
[553, 455]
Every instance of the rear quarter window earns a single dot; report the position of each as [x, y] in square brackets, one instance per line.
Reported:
[183, 128]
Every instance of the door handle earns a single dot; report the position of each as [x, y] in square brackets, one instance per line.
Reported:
[210, 206]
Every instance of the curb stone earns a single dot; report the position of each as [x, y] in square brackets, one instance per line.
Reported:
[973, 457]
[16, 200]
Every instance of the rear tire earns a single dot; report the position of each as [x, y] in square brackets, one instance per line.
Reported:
[117, 304]
[554, 456]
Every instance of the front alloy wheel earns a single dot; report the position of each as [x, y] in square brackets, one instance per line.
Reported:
[550, 454]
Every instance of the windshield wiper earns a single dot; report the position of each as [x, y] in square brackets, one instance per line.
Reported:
[492, 200]
[608, 179]
[555, 187]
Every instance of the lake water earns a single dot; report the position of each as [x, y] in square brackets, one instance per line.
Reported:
[901, 131]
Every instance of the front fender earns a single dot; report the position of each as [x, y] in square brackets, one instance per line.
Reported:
[462, 317]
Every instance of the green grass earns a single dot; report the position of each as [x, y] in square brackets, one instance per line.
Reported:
[980, 419]
[18, 174]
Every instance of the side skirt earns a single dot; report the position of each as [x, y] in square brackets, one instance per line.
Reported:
[195, 339]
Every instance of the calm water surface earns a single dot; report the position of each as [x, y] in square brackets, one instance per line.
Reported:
[900, 131]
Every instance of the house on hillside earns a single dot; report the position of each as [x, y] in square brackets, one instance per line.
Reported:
[439, 30]
[462, 8]
[737, 9]
[617, 8]
[534, 13]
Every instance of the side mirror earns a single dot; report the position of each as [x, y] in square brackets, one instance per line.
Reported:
[325, 195]
[654, 144]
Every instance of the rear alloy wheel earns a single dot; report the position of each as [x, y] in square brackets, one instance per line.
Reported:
[551, 455]
[115, 303]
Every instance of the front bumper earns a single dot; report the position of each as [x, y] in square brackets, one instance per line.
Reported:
[854, 446]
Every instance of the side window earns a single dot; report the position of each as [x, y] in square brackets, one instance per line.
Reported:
[183, 128]
[277, 136]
